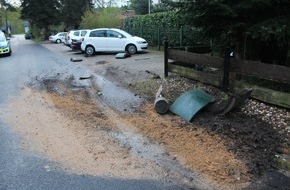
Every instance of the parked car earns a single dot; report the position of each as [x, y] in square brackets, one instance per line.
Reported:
[28, 36]
[112, 40]
[66, 38]
[5, 47]
[57, 38]
[74, 35]
[76, 45]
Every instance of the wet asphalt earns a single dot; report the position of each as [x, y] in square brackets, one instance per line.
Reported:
[23, 170]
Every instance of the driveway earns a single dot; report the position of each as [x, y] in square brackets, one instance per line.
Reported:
[141, 66]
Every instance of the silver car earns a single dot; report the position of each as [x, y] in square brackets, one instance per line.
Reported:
[57, 38]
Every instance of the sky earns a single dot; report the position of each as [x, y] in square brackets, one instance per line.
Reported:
[13, 2]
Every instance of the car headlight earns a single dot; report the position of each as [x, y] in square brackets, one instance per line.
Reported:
[141, 42]
[5, 45]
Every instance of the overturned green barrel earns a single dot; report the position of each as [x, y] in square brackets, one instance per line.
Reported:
[189, 103]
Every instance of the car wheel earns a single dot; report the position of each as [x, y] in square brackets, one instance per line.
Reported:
[90, 50]
[131, 49]
[58, 41]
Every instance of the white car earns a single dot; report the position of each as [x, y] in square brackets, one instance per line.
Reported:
[57, 38]
[112, 40]
[74, 35]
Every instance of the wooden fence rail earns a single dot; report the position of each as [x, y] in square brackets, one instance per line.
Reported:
[210, 70]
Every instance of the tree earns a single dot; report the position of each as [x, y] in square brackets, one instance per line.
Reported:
[108, 17]
[235, 21]
[15, 23]
[160, 7]
[100, 4]
[141, 6]
[41, 13]
[6, 7]
[73, 10]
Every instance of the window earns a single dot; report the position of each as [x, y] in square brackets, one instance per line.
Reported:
[2, 37]
[113, 34]
[77, 33]
[98, 33]
[83, 33]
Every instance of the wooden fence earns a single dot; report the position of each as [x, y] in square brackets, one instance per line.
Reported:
[231, 74]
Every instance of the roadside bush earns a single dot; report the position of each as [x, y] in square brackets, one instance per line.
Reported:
[155, 27]
[89, 19]
[37, 33]
[167, 20]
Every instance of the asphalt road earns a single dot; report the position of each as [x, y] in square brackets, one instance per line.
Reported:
[24, 170]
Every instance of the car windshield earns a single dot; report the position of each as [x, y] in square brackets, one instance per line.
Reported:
[2, 38]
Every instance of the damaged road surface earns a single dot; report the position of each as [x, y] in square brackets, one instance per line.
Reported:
[74, 125]
[59, 132]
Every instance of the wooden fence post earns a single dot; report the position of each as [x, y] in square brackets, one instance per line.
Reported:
[165, 56]
[158, 37]
[226, 68]
[181, 36]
